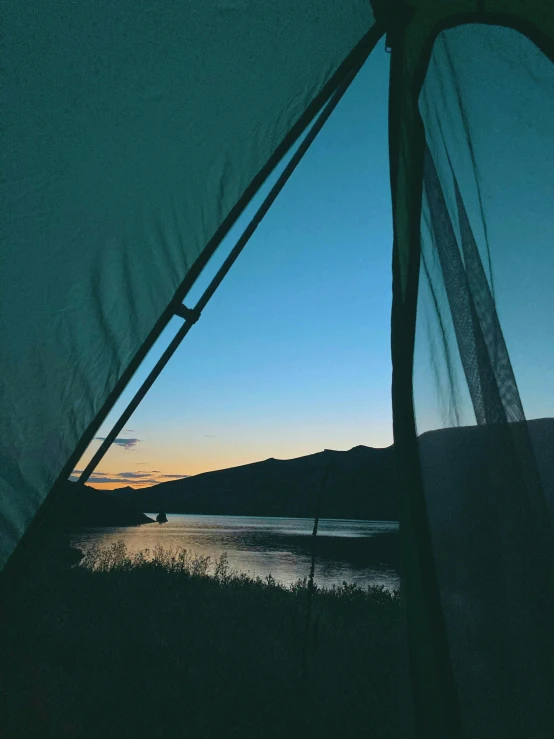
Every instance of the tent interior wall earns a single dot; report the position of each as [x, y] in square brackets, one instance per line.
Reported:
[110, 213]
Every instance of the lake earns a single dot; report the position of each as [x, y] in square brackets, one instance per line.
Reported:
[361, 552]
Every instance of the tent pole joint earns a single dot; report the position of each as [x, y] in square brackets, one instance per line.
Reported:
[191, 315]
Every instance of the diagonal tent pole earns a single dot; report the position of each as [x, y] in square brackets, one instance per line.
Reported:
[191, 315]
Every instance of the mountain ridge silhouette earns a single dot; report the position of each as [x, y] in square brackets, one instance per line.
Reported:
[289, 487]
[360, 485]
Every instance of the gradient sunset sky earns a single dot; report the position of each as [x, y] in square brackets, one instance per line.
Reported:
[292, 355]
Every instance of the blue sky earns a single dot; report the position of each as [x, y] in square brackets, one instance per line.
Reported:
[292, 355]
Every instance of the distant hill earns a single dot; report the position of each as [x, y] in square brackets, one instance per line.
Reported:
[360, 486]
[86, 506]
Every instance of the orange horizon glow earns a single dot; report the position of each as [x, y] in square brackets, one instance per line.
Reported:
[145, 464]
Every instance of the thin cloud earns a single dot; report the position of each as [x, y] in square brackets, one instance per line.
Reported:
[134, 479]
[135, 474]
[125, 443]
[210, 436]
[106, 479]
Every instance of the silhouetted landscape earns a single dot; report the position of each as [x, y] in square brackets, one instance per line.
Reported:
[360, 485]
[194, 649]
[360, 482]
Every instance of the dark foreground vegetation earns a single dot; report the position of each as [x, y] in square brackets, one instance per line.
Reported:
[168, 645]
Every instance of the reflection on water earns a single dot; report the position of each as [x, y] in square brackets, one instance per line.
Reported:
[362, 552]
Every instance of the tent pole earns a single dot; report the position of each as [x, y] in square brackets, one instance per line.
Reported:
[435, 697]
[192, 315]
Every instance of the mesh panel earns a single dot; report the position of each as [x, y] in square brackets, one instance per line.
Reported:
[488, 109]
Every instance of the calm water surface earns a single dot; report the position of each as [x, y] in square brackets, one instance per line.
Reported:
[361, 552]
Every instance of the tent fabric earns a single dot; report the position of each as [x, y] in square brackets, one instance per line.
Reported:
[429, 17]
[473, 194]
[131, 131]
[487, 105]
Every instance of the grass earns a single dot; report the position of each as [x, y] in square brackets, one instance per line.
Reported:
[166, 644]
